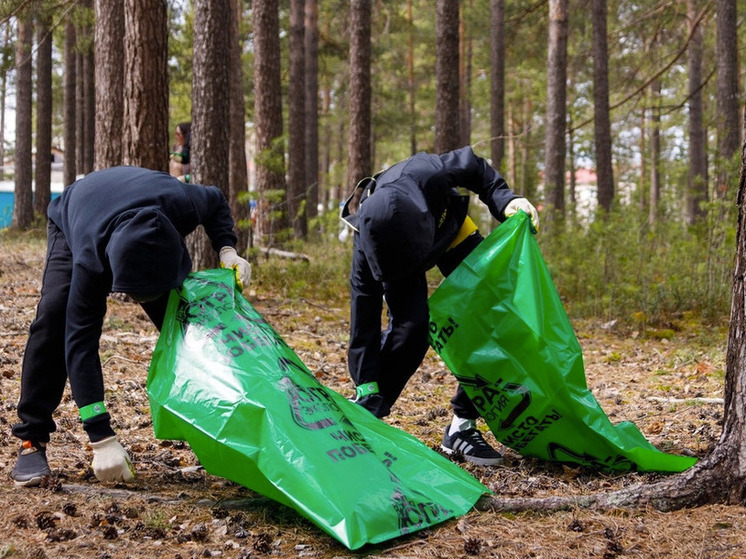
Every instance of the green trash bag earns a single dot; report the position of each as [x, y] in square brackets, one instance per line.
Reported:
[500, 327]
[223, 380]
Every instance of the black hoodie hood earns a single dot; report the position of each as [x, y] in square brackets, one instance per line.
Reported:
[147, 254]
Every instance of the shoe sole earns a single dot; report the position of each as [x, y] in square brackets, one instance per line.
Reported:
[32, 482]
[475, 459]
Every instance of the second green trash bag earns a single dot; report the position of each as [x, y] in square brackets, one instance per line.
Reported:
[223, 380]
[500, 327]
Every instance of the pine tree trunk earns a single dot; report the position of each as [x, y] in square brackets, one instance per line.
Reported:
[43, 170]
[312, 106]
[69, 168]
[602, 123]
[497, 83]
[297, 121]
[554, 162]
[23, 209]
[238, 174]
[146, 86]
[210, 106]
[447, 132]
[358, 147]
[109, 94]
[270, 167]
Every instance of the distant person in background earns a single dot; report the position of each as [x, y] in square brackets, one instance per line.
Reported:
[408, 219]
[115, 230]
[179, 160]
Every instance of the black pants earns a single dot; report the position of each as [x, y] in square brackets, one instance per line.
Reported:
[44, 373]
[391, 357]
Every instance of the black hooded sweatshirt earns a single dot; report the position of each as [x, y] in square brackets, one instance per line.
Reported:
[125, 229]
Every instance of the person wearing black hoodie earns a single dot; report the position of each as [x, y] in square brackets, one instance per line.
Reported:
[115, 230]
[408, 219]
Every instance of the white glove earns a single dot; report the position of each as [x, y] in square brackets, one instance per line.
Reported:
[522, 204]
[230, 259]
[111, 462]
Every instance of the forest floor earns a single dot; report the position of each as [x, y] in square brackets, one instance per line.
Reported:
[174, 509]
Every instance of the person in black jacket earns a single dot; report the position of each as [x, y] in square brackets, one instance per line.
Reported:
[408, 219]
[115, 230]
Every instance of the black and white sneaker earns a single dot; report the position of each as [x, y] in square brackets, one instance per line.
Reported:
[472, 446]
[31, 465]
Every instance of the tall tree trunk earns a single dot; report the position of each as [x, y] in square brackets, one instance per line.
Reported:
[270, 166]
[358, 147]
[89, 97]
[4, 66]
[447, 132]
[238, 174]
[497, 82]
[554, 161]
[655, 152]
[602, 123]
[43, 170]
[411, 83]
[312, 106]
[465, 52]
[728, 131]
[697, 183]
[109, 83]
[297, 121]
[69, 169]
[146, 87]
[210, 106]
[23, 209]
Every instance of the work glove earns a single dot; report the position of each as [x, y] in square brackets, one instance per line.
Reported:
[230, 259]
[111, 462]
[522, 204]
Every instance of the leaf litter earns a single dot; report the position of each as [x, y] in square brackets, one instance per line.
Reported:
[668, 387]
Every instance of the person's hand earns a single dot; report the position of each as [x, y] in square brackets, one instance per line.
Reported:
[229, 258]
[111, 462]
[522, 204]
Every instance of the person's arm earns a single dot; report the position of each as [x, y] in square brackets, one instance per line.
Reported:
[86, 309]
[464, 168]
[215, 217]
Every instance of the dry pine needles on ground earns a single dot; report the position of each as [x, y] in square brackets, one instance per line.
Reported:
[176, 510]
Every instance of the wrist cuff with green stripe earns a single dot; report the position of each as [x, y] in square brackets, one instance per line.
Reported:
[366, 389]
[92, 410]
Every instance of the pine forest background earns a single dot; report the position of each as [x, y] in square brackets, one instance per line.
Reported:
[620, 121]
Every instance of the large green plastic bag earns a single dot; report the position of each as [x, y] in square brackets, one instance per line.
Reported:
[223, 380]
[500, 327]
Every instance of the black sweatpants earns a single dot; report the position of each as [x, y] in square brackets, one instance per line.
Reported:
[44, 373]
[391, 357]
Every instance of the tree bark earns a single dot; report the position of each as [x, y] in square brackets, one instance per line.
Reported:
[497, 82]
[697, 180]
[23, 209]
[297, 121]
[109, 83]
[69, 169]
[602, 122]
[358, 147]
[238, 174]
[655, 152]
[447, 131]
[210, 106]
[146, 87]
[43, 170]
[554, 161]
[312, 106]
[728, 132]
[270, 165]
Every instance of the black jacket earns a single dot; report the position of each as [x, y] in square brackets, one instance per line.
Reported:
[125, 227]
[408, 215]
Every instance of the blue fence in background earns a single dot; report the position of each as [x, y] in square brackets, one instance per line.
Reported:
[6, 207]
